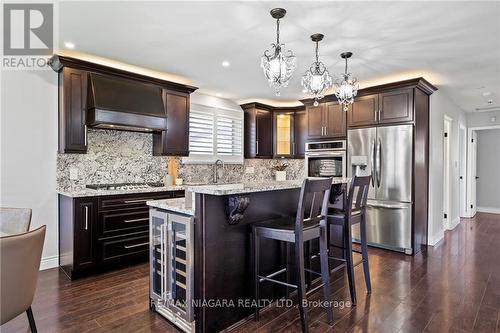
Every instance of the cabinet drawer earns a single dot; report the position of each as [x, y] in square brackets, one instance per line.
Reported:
[129, 201]
[116, 223]
[122, 248]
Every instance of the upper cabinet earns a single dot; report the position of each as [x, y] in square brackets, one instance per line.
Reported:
[364, 111]
[325, 121]
[274, 131]
[300, 133]
[396, 106]
[175, 139]
[72, 113]
[391, 106]
[140, 103]
[258, 124]
[284, 134]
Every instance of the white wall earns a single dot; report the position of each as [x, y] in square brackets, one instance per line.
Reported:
[28, 141]
[441, 106]
[477, 119]
[488, 164]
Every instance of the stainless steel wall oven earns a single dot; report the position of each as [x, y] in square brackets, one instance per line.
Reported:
[326, 159]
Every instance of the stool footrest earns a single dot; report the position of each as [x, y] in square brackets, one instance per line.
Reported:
[265, 278]
[311, 271]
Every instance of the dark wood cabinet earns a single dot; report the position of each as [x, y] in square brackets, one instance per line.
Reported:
[387, 107]
[84, 233]
[327, 120]
[76, 112]
[258, 130]
[335, 120]
[315, 124]
[264, 137]
[284, 132]
[100, 233]
[175, 139]
[396, 106]
[364, 111]
[73, 110]
[300, 133]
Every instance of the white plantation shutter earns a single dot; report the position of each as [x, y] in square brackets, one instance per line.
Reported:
[215, 134]
[201, 133]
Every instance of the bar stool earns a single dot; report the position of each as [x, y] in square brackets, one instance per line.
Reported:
[313, 201]
[354, 212]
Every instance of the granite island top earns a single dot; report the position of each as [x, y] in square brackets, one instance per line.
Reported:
[240, 188]
[177, 205]
[88, 192]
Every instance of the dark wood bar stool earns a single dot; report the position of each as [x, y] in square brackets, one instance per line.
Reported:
[313, 203]
[354, 212]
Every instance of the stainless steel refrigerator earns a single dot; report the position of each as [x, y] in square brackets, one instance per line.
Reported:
[386, 153]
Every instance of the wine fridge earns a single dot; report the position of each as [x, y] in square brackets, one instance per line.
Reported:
[171, 267]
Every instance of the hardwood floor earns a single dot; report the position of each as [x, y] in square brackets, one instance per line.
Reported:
[453, 287]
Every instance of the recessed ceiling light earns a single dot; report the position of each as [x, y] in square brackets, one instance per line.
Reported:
[69, 45]
[486, 93]
[226, 63]
[304, 90]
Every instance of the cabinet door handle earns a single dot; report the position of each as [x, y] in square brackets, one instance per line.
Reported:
[135, 245]
[322, 129]
[257, 147]
[134, 201]
[86, 217]
[326, 130]
[85, 134]
[293, 148]
[136, 220]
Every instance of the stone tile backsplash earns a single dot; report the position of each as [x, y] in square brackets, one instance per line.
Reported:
[126, 157]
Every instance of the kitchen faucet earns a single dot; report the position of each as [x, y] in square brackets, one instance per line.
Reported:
[216, 176]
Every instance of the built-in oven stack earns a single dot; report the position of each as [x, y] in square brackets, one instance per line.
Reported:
[326, 159]
[171, 271]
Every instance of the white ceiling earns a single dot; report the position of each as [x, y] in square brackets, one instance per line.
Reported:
[455, 45]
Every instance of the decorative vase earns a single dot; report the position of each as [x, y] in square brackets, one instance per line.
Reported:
[280, 176]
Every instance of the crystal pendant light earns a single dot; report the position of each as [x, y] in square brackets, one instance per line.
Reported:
[278, 65]
[347, 86]
[317, 79]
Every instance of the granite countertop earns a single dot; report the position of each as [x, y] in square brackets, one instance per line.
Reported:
[239, 188]
[174, 205]
[88, 192]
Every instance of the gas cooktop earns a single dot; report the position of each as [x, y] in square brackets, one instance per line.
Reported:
[123, 186]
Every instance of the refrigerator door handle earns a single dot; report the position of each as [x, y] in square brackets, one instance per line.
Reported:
[388, 206]
[378, 161]
[374, 170]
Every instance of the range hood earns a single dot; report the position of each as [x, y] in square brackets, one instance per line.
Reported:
[118, 103]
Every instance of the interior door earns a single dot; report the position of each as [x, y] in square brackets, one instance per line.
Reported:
[360, 154]
[393, 163]
[473, 173]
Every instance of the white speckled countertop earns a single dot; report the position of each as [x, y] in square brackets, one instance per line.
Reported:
[174, 205]
[239, 188]
[88, 192]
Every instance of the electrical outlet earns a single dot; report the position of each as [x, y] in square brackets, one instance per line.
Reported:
[73, 173]
[250, 170]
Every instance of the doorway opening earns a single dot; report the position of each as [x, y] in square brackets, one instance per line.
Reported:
[462, 170]
[446, 172]
[484, 172]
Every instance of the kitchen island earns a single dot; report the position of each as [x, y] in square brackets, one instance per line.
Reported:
[221, 276]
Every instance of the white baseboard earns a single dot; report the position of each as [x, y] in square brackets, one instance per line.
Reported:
[454, 223]
[49, 262]
[490, 210]
[433, 240]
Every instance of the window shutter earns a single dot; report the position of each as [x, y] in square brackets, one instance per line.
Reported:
[215, 134]
[201, 133]
[229, 135]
